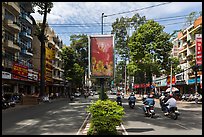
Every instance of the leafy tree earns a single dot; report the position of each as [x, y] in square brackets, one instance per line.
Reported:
[80, 44]
[120, 28]
[43, 9]
[150, 49]
[191, 18]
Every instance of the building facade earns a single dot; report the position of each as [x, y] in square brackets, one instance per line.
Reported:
[184, 48]
[21, 52]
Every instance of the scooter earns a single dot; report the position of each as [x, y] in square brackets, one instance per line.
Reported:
[119, 103]
[149, 111]
[132, 104]
[173, 113]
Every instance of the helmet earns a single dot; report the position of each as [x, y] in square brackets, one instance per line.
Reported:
[170, 95]
[132, 94]
[151, 96]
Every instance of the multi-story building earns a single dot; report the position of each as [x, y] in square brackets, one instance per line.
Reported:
[187, 53]
[10, 46]
[184, 47]
[58, 71]
[18, 74]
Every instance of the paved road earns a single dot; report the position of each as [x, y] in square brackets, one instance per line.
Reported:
[62, 117]
[189, 122]
[59, 117]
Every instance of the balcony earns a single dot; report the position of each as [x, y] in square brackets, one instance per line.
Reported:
[56, 39]
[13, 6]
[57, 47]
[27, 52]
[12, 45]
[51, 42]
[26, 18]
[7, 63]
[26, 35]
[14, 26]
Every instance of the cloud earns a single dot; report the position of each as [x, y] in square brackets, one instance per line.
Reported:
[91, 12]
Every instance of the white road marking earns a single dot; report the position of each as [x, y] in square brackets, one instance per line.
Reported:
[182, 126]
[126, 133]
[83, 124]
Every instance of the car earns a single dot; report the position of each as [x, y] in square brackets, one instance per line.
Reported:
[77, 94]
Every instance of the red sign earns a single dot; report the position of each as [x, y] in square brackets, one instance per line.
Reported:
[169, 80]
[101, 56]
[20, 71]
[141, 85]
[198, 49]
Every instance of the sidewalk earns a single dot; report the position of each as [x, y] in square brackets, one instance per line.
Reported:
[20, 106]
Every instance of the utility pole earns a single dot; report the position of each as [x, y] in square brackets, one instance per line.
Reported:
[171, 80]
[102, 79]
[42, 61]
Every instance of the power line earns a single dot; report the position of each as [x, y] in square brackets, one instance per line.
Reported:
[139, 9]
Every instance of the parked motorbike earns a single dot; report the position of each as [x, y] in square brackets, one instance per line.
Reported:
[72, 97]
[5, 104]
[173, 113]
[149, 111]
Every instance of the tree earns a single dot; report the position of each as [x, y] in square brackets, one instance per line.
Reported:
[191, 18]
[150, 49]
[80, 44]
[43, 9]
[121, 30]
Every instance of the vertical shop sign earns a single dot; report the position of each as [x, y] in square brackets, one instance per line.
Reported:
[198, 49]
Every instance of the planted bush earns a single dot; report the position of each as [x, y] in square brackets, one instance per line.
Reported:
[105, 116]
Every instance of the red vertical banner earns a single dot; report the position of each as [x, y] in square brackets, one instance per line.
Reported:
[198, 49]
[101, 56]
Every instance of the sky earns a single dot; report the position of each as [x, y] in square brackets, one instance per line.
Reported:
[85, 17]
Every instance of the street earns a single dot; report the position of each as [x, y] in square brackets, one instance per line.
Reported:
[62, 117]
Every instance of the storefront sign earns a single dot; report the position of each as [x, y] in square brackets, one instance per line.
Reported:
[6, 75]
[179, 77]
[20, 72]
[192, 81]
[169, 80]
[32, 75]
[181, 82]
[198, 49]
[200, 81]
[101, 56]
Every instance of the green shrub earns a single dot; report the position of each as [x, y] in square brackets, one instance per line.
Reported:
[105, 116]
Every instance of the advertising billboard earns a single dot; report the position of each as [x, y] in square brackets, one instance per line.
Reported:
[101, 56]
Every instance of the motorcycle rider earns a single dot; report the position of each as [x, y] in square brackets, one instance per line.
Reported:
[132, 98]
[171, 102]
[119, 99]
[148, 101]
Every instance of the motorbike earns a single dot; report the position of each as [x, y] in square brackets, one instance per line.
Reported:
[72, 97]
[132, 104]
[149, 111]
[119, 103]
[173, 113]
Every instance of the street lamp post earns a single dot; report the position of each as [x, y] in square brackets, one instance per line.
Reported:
[102, 79]
[171, 80]
[102, 22]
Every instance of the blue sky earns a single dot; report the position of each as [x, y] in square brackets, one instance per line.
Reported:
[85, 17]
